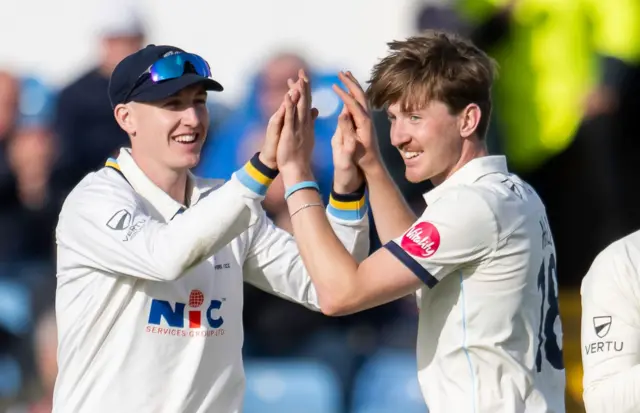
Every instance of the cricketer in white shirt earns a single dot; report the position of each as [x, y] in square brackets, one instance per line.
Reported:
[611, 329]
[150, 293]
[489, 335]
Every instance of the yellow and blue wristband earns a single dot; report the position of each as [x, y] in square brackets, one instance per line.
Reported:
[256, 176]
[349, 207]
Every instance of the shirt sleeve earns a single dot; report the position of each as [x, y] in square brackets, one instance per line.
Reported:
[611, 334]
[459, 229]
[273, 262]
[106, 227]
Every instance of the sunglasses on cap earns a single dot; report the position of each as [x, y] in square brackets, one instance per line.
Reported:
[172, 67]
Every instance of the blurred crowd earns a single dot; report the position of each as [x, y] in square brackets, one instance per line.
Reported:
[565, 104]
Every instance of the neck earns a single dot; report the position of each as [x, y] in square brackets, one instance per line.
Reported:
[471, 150]
[173, 182]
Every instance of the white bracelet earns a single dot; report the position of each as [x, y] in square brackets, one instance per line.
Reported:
[306, 206]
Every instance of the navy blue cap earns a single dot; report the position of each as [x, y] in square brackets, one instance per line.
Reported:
[126, 74]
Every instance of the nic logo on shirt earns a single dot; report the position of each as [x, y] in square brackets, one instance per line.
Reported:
[173, 319]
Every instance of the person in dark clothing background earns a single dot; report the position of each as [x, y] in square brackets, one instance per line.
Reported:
[84, 122]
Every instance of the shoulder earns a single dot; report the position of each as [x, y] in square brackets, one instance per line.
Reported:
[99, 191]
[463, 203]
[615, 268]
[462, 218]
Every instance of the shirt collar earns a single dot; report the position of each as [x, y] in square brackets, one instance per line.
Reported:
[160, 200]
[468, 174]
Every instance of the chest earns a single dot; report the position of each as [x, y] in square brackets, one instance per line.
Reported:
[201, 296]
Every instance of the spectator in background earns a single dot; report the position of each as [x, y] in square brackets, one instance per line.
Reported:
[28, 212]
[45, 353]
[29, 199]
[9, 95]
[84, 122]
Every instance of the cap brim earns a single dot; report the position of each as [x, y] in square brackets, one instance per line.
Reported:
[152, 92]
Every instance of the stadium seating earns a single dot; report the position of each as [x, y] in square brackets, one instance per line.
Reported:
[388, 383]
[290, 386]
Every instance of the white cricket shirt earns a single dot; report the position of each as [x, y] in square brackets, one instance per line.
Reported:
[150, 293]
[611, 329]
[489, 337]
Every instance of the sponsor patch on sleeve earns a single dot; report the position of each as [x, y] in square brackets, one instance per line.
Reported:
[422, 240]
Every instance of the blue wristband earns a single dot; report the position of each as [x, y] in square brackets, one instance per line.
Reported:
[299, 186]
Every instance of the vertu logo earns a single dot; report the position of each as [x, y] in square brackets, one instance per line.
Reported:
[602, 325]
[120, 220]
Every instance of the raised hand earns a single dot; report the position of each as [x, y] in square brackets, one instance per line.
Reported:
[347, 176]
[297, 135]
[269, 149]
[360, 126]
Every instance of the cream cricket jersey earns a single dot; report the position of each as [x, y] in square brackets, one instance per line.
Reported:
[150, 293]
[611, 329]
[489, 338]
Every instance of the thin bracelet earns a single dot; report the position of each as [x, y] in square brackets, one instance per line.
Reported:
[306, 206]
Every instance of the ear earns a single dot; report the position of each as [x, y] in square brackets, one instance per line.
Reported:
[469, 120]
[124, 117]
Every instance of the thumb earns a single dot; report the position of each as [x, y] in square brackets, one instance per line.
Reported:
[314, 114]
[337, 140]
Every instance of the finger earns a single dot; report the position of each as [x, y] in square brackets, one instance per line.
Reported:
[349, 145]
[289, 114]
[346, 126]
[294, 84]
[353, 78]
[358, 113]
[303, 105]
[345, 110]
[307, 85]
[294, 94]
[354, 87]
[314, 114]
[275, 122]
[337, 139]
[303, 75]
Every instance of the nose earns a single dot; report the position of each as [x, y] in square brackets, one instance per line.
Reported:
[191, 117]
[399, 134]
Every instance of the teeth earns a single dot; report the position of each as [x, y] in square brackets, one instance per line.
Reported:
[185, 138]
[410, 155]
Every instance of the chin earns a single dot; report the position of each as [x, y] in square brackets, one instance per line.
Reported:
[186, 162]
[415, 176]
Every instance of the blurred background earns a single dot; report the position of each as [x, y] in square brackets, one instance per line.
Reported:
[565, 108]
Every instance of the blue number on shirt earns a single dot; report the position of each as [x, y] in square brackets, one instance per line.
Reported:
[552, 351]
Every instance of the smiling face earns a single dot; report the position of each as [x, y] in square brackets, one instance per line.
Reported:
[437, 90]
[170, 132]
[428, 139]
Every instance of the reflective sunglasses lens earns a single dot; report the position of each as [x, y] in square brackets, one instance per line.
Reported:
[173, 66]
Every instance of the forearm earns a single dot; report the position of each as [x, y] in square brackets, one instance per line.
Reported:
[331, 268]
[391, 214]
[616, 394]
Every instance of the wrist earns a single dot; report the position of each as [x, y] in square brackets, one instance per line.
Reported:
[256, 176]
[351, 206]
[266, 161]
[293, 175]
[373, 168]
[347, 186]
